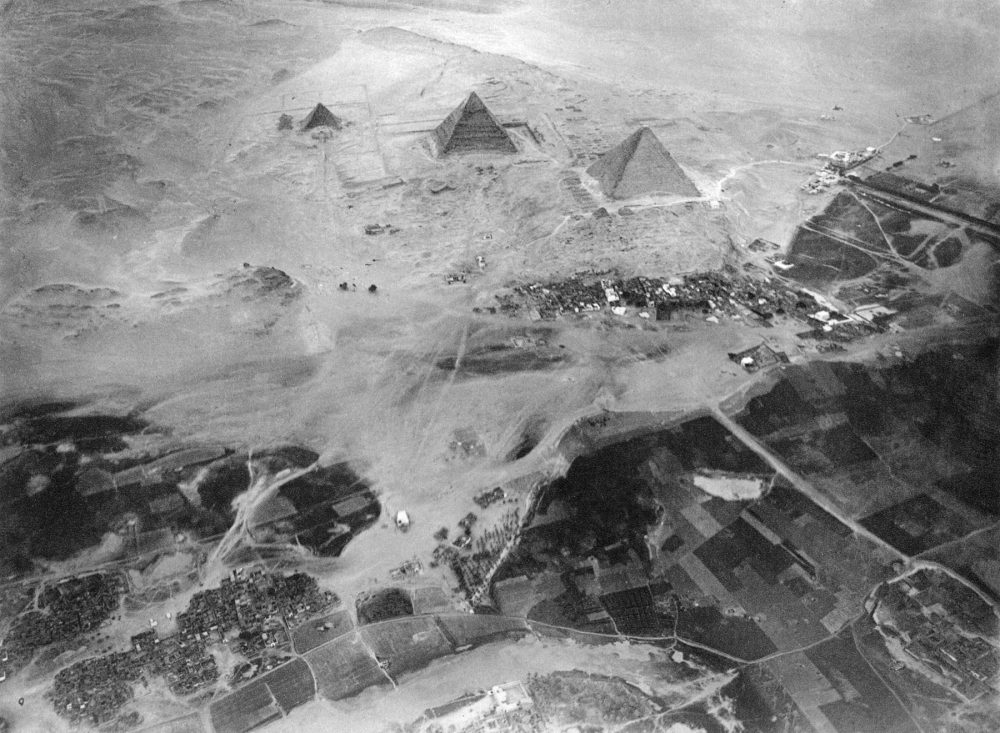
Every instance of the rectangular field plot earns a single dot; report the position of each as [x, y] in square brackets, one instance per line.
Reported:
[291, 684]
[634, 612]
[188, 724]
[429, 600]
[344, 667]
[734, 635]
[247, 708]
[466, 629]
[407, 643]
[917, 524]
[321, 630]
[866, 704]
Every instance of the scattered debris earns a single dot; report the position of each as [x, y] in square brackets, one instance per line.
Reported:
[408, 569]
[762, 245]
[373, 229]
[490, 497]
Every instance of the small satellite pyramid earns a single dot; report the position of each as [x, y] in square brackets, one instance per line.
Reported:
[471, 127]
[321, 117]
[640, 165]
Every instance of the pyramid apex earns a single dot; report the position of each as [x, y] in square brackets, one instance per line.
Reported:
[644, 131]
[474, 102]
[321, 116]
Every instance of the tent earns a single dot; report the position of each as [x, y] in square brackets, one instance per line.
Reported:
[640, 165]
[321, 117]
[471, 127]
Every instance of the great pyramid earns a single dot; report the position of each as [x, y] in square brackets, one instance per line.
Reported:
[471, 127]
[321, 117]
[640, 165]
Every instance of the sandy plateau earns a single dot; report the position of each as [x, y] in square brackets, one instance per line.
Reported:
[169, 251]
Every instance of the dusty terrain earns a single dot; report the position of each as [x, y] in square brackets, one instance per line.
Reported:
[143, 171]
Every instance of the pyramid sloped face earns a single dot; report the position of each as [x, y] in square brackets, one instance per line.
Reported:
[638, 166]
[471, 127]
[321, 117]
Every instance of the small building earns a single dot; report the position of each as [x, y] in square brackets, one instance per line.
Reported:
[402, 520]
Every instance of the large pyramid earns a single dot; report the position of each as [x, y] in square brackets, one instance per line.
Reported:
[321, 117]
[471, 127]
[640, 165]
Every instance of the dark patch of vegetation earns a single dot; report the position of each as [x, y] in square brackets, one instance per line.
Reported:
[322, 484]
[99, 433]
[761, 702]
[287, 457]
[948, 252]
[30, 409]
[222, 482]
[820, 259]
[876, 709]
[950, 396]
[501, 359]
[735, 635]
[383, 604]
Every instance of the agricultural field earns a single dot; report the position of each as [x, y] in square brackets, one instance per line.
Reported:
[344, 667]
[475, 629]
[321, 630]
[406, 644]
[266, 698]
[918, 524]
[430, 600]
[857, 231]
[382, 605]
[874, 437]
[291, 685]
[976, 557]
[247, 708]
[187, 724]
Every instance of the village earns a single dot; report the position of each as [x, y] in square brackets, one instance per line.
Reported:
[945, 626]
[251, 611]
[65, 610]
[708, 296]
